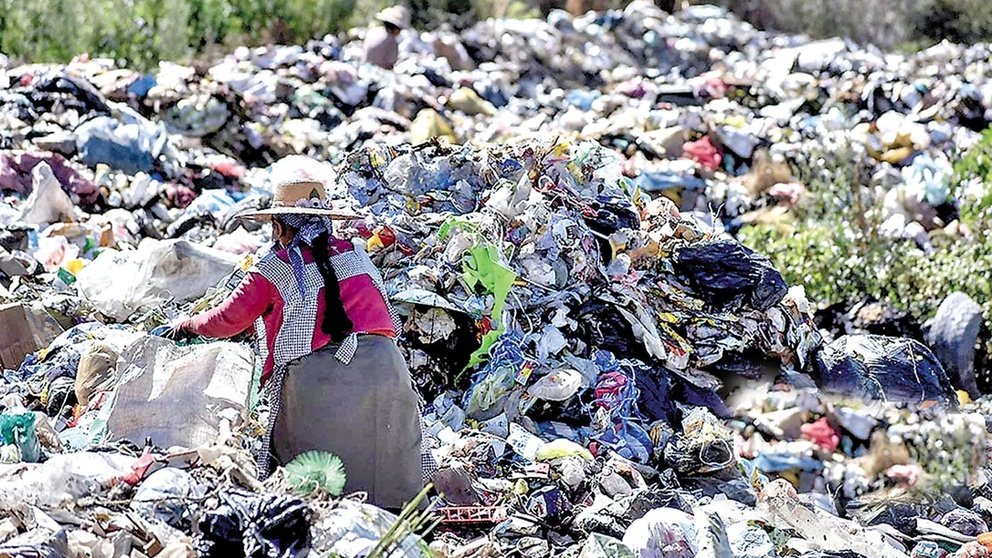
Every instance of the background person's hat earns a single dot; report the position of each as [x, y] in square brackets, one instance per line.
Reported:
[395, 15]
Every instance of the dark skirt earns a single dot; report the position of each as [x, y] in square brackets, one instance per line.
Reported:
[364, 412]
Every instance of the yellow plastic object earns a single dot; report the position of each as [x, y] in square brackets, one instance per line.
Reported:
[247, 262]
[894, 156]
[561, 448]
[75, 266]
[736, 121]
[985, 539]
[469, 102]
[373, 243]
[429, 124]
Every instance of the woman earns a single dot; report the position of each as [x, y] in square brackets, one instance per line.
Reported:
[326, 333]
[382, 44]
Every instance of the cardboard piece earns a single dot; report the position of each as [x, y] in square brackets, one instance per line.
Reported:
[17, 338]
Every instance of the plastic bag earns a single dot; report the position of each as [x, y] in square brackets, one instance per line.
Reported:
[561, 448]
[429, 124]
[96, 372]
[174, 395]
[559, 385]
[255, 526]
[62, 479]
[18, 430]
[727, 274]
[130, 147]
[48, 203]
[704, 445]
[662, 532]
[601, 546]
[120, 283]
[785, 511]
[469, 102]
[887, 368]
[352, 530]
[169, 495]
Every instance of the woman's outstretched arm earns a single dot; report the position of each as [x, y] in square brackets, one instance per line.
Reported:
[252, 297]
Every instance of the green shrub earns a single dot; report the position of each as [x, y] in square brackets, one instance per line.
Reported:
[832, 247]
[485, 9]
[140, 33]
[973, 183]
[962, 21]
[834, 267]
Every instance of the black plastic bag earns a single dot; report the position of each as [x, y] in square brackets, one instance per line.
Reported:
[885, 368]
[727, 274]
[255, 526]
[689, 394]
[750, 364]
[606, 328]
[654, 387]
[86, 95]
[610, 216]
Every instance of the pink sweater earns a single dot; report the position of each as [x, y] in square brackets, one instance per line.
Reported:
[257, 297]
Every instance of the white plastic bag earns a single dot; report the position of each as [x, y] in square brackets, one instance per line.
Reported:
[351, 529]
[60, 480]
[120, 283]
[825, 531]
[48, 203]
[662, 532]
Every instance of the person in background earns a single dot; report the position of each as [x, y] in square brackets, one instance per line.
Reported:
[382, 43]
[326, 332]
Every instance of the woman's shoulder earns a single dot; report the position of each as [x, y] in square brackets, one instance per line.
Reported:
[276, 254]
[273, 258]
[336, 246]
[269, 260]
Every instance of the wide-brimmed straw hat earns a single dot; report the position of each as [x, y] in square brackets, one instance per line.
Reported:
[395, 15]
[300, 198]
[299, 190]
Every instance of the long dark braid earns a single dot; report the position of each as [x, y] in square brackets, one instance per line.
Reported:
[336, 322]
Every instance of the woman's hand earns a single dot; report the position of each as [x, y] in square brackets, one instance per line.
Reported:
[173, 331]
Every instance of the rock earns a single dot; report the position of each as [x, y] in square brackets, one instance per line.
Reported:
[965, 522]
[952, 334]
[59, 142]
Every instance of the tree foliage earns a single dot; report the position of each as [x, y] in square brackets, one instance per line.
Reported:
[140, 33]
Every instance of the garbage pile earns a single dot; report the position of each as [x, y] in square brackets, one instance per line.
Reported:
[607, 371]
[704, 108]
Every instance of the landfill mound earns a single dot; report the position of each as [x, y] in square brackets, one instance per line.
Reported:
[606, 370]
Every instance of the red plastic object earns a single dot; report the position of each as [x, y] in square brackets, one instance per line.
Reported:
[485, 326]
[821, 434]
[704, 153]
[386, 236]
[139, 470]
[230, 169]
